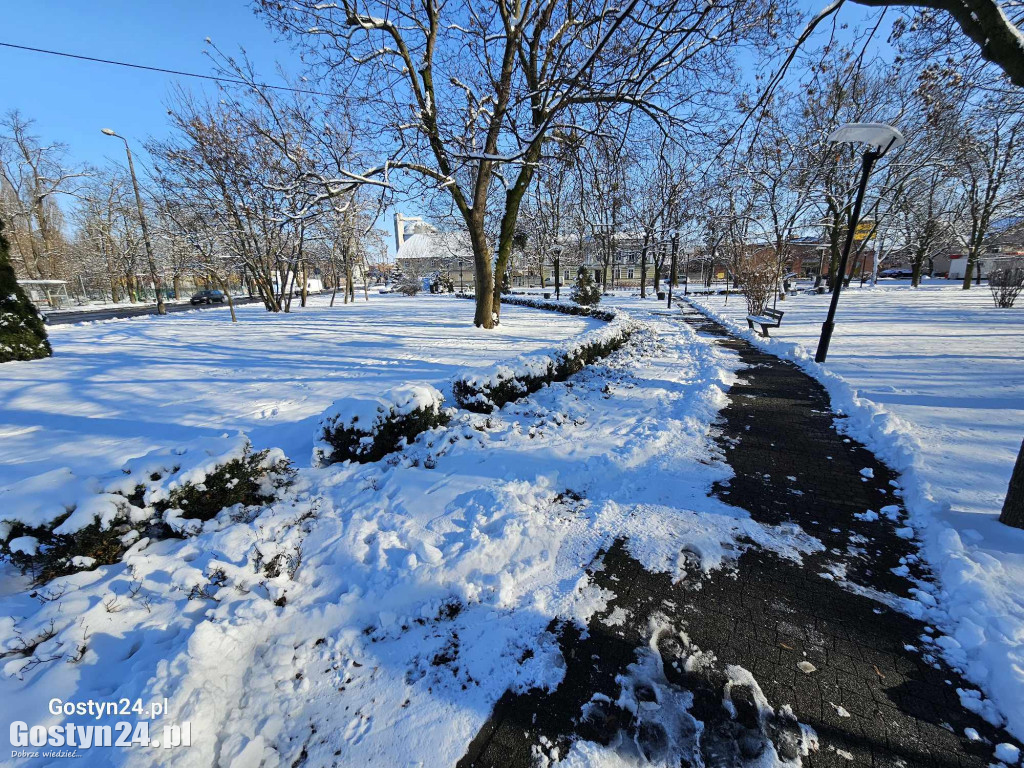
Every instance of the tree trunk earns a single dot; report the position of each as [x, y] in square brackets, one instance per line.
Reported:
[1013, 506]
[483, 272]
[972, 259]
[305, 283]
[223, 285]
[350, 288]
[643, 273]
[915, 279]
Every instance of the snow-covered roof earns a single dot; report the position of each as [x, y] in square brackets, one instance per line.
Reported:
[435, 245]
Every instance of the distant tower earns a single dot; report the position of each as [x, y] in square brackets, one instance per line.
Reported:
[406, 226]
[399, 231]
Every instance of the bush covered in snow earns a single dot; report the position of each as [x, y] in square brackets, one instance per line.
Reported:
[585, 291]
[564, 308]
[364, 429]
[56, 524]
[485, 391]
[197, 486]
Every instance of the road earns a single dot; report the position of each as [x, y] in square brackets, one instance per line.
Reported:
[112, 313]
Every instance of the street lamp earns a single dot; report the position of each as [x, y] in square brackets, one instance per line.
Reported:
[672, 268]
[879, 138]
[160, 308]
[556, 254]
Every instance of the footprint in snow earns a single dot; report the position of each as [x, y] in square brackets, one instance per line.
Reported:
[357, 728]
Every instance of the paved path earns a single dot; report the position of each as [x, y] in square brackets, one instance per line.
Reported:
[870, 686]
[112, 313]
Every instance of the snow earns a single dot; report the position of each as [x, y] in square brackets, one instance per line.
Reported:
[406, 593]
[366, 414]
[1008, 753]
[118, 389]
[931, 380]
[377, 611]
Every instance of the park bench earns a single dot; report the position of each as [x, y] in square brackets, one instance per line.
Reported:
[772, 318]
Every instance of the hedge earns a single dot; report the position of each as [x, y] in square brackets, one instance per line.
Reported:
[56, 524]
[364, 429]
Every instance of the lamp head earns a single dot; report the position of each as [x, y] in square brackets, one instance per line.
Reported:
[878, 136]
[108, 131]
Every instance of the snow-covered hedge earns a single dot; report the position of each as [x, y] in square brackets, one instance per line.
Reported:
[55, 524]
[489, 389]
[563, 307]
[364, 429]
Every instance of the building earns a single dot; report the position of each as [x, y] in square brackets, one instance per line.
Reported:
[431, 252]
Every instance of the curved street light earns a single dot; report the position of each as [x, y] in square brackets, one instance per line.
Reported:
[879, 138]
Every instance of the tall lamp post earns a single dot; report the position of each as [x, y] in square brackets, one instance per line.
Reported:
[879, 138]
[160, 308]
[672, 267]
[556, 255]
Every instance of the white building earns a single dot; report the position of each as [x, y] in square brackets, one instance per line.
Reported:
[988, 262]
[448, 253]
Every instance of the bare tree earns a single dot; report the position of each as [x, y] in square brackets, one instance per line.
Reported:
[989, 173]
[473, 90]
[32, 176]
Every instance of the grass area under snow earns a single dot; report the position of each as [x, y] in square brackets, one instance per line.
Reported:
[118, 388]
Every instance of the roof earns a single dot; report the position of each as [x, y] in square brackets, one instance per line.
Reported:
[435, 245]
[1001, 225]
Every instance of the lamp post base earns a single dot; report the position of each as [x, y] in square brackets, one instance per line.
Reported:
[823, 342]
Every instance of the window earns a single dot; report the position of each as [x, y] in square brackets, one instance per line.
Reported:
[629, 273]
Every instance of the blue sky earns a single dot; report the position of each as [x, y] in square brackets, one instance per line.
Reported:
[71, 100]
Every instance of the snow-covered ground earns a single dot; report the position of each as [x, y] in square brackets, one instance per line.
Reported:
[115, 389]
[408, 594]
[932, 380]
[414, 591]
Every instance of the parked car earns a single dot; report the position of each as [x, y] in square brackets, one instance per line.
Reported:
[900, 273]
[208, 297]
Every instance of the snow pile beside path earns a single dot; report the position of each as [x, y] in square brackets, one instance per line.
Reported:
[684, 542]
[980, 601]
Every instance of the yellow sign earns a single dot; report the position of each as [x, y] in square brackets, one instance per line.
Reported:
[864, 230]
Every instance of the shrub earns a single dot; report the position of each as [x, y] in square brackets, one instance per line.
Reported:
[556, 306]
[252, 479]
[56, 524]
[57, 549]
[1006, 285]
[759, 274]
[22, 333]
[483, 392]
[368, 429]
[585, 291]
